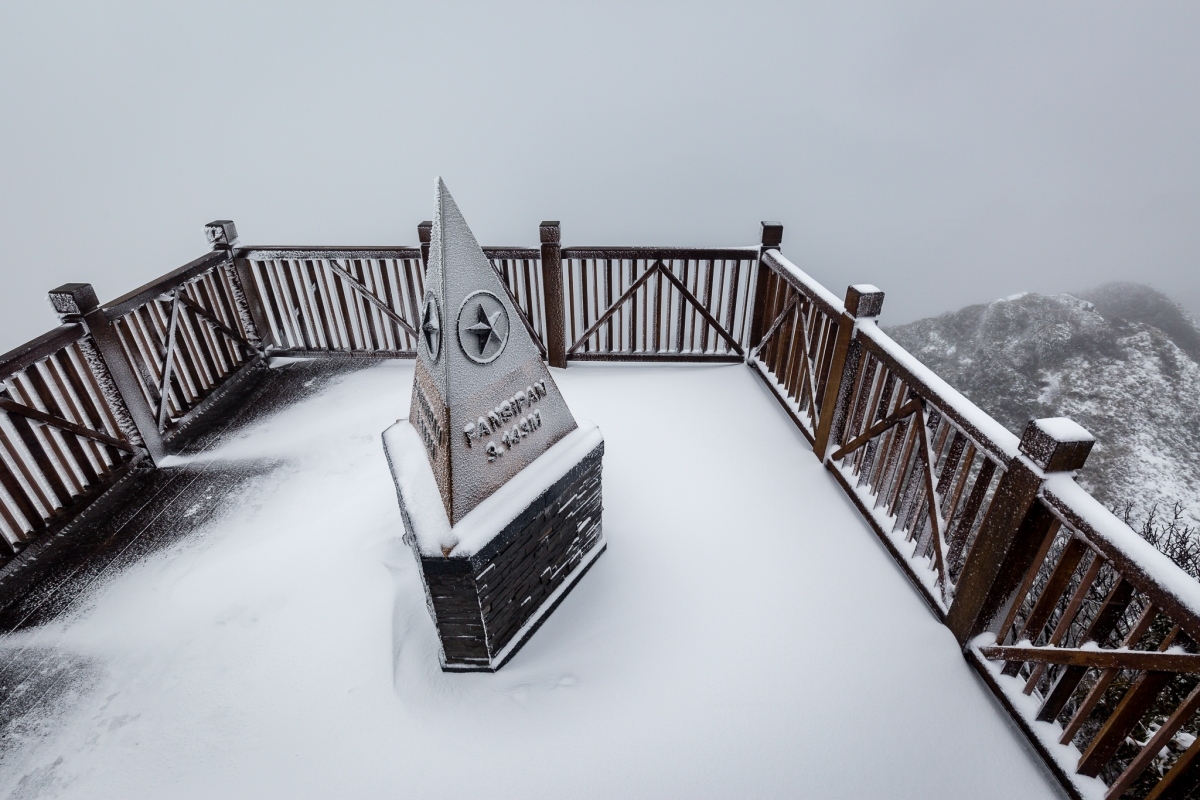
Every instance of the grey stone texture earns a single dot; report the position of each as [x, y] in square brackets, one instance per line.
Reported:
[481, 603]
[483, 401]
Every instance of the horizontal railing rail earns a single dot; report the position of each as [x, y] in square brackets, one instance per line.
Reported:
[1085, 632]
[986, 434]
[271, 252]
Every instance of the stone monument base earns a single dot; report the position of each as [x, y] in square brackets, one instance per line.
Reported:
[492, 579]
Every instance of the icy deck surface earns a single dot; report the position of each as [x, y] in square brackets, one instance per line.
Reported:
[745, 635]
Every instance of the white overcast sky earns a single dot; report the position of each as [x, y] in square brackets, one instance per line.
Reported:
[949, 153]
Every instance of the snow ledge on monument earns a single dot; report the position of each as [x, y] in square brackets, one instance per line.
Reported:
[427, 514]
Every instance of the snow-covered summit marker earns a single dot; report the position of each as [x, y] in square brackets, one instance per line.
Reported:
[483, 402]
[499, 487]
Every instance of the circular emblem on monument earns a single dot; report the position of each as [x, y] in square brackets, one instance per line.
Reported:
[431, 326]
[482, 327]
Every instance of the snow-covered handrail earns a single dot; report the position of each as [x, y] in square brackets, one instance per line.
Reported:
[985, 431]
[269, 252]
[1050, 594]
[826, 300]
[1139, 562]
[163, 285]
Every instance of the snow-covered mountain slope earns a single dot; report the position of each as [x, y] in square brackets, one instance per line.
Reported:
[1122, 360]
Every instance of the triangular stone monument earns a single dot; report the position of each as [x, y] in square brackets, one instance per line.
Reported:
[483, 401]
[499, 486]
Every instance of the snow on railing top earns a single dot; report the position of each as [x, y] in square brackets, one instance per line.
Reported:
[827, 300]
[35, 350]
[975, 422]
[163, 285]
[270, 251]
[1143, 565]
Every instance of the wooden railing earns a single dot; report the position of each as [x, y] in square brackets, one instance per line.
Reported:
[798, 341]
[61, 437]
[185, 335]
[649, 304]
[1084, 632]
[1102, 632]
[584, 304]
[352, 301]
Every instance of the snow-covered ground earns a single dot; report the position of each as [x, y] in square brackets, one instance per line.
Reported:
[745, 635]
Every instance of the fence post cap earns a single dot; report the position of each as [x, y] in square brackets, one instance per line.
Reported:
[772, 234]
[550, 231]
[74, 299]
[221, 234]
[864, 300]
[425, 231]
[1057, 444]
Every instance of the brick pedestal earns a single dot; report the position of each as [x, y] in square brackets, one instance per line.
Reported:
[487, 602]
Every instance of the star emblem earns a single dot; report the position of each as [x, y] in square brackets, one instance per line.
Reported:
[482, 327]
[431, 327]
[485, 328]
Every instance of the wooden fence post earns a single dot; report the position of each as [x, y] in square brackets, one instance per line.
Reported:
[77, 302]
[222, 235]
[863, 301]
[550, 233]
[772, 238]
[1015, 526]
[424, 235]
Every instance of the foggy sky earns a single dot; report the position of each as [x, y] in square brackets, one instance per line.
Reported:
[948, 154]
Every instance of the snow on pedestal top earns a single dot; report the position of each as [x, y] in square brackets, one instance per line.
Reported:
[422, 503]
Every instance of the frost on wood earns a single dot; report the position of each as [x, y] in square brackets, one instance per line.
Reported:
[1057, 444]
[241, 305]
[110, 395]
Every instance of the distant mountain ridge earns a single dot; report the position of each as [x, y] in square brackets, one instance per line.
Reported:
[1123, 360]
